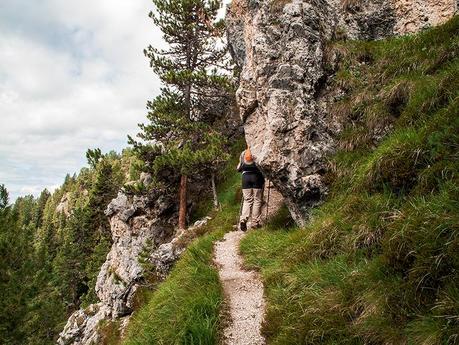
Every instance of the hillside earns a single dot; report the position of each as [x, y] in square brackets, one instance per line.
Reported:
[350, 109]
[377, 262]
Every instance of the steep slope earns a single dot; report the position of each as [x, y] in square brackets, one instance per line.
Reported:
[281, 47]
[378, 262]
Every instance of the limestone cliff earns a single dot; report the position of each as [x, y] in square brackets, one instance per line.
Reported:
[284, 94]
[135, 221]
[139, 225]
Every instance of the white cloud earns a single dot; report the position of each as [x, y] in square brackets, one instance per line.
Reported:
[72, 77]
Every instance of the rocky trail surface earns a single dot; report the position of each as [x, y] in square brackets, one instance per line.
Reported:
[243, 289]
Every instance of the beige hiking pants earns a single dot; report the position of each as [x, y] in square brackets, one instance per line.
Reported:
[253, 199]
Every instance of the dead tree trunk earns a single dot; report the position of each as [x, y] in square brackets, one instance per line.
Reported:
[182, 202]
[214, 192]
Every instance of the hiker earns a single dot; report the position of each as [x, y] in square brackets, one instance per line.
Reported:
[252, 190]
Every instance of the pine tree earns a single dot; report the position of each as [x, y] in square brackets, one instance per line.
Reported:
[72, 255]
[93, 157]
[4, 197]
[192, 71]
[39, 208]
[104, 189]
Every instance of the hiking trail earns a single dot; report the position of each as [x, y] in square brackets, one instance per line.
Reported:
[243, 289]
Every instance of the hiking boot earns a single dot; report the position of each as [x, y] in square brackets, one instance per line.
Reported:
[243, 226]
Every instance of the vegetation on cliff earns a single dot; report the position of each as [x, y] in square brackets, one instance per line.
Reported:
[377, 263]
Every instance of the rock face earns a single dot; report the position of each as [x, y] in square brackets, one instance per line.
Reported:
[82, 325]
[280, 47]
[134, 224]
[138, 224]
[63, 206]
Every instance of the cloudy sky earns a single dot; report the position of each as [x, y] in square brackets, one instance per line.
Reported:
[72, 77]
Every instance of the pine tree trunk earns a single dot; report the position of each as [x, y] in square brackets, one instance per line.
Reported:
[214, 191]
[182, 204]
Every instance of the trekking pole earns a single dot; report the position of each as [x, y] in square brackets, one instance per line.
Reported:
[267, 202]
[240, 209]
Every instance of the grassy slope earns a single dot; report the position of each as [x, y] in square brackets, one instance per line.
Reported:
[186, 307]
[378, 263]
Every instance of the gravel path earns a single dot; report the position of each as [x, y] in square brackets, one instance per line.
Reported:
[243, 289]
[244, 293]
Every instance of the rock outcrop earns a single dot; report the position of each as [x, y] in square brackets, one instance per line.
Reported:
[141, 226]
[135, 222]
[284, 94]
[63, 206]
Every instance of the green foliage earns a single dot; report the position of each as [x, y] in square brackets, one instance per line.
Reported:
[50, 259]
[93, 157]
[15, 268]
[378, 262]
[226, 180]
[185, 308]
[145, 262]
[4, 198]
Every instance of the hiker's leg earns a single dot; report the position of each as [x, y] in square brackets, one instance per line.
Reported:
[257, 203]
[247, 205]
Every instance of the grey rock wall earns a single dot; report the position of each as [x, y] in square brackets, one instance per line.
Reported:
[283, 95]
[141, 226]
[136, 222]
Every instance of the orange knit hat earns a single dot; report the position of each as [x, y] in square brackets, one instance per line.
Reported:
[248, 155]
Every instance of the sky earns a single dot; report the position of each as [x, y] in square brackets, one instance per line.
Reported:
[72, 76]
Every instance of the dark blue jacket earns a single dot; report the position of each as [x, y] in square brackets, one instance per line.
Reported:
[251, 175]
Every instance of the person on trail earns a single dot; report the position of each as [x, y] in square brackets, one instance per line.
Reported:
[252, 190]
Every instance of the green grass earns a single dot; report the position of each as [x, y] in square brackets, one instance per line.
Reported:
[378, 262]
[187, 308]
